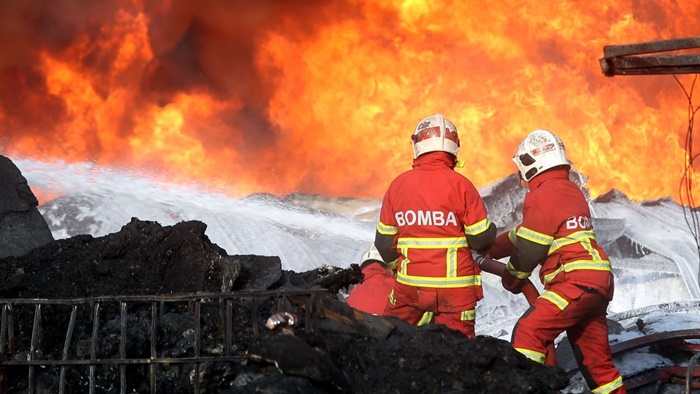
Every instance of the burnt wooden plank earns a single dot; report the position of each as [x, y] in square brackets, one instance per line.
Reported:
[651, 47]
[648, 65]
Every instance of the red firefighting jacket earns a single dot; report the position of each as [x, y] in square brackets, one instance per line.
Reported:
[372, 294]
[430, 210]
[556, 215]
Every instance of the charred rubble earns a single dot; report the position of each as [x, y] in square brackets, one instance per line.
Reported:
[276, 332]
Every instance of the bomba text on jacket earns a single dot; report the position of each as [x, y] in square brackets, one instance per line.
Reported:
[425, 218]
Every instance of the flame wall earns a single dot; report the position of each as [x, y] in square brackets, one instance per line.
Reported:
[322, 96]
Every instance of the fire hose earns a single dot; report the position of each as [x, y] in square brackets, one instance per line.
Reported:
[529, 291]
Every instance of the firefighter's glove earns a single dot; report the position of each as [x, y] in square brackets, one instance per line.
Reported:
[513, 279]
[511, 283]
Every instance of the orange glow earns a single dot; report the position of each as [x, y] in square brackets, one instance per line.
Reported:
[43, 196]
[322, 97]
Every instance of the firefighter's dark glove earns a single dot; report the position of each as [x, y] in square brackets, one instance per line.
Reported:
[511, 283]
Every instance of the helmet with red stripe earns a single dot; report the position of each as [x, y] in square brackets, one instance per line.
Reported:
[539, 151]
[435, 133]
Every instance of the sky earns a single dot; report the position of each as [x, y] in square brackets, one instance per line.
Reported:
[659, 287]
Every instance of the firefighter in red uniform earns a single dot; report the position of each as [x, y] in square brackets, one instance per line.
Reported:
[556, 233]
[431, 218]
[372, 294]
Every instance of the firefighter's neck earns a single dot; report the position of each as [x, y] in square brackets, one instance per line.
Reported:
[524, 184]
[435, 157]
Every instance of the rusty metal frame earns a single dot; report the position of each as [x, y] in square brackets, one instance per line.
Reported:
[648, 340]
[157, 305]
[673, 338]
[675, 375]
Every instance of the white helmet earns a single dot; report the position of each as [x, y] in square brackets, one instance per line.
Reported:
[371, 254]
[539, 151]
[435, 133]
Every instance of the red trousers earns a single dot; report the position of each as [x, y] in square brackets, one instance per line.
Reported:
[582, 314]
[417, 305]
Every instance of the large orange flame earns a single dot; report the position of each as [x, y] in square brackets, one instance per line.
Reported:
[321, 97]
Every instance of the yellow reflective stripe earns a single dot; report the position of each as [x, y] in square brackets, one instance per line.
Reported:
[610, 387]
[425, 319]
[451, 263]
[468, 315]
[532, 355]
[584, 238]
[404, 263]
[534, 236]
[512, 235]
[579, 236]
[595, 265]
[591, 250]
[432, 243]
[445, 283]
[451, 256]
[555, 299]
[515, 272]
[478, 227]
[386, 230]
[392, 300]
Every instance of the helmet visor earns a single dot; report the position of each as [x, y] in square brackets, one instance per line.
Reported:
[526, 159]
